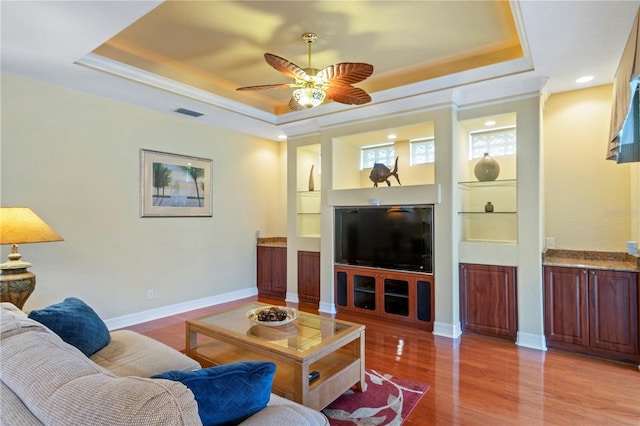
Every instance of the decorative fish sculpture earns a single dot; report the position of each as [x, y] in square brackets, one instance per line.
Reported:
[381, 173]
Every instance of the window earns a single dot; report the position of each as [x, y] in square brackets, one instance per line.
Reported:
[422, 151]
[496, 142]
[384, 154]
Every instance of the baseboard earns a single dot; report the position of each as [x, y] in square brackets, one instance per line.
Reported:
[533, 341]
[327, 308]
[452, 331]
[292, 298]
[178, 308]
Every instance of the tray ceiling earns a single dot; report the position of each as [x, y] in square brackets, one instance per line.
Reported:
[219, 46]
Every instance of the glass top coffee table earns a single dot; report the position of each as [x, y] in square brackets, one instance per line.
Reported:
[307, 344]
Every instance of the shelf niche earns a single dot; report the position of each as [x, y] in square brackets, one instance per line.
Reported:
[499, 223]
[308, 190]
[346, 166]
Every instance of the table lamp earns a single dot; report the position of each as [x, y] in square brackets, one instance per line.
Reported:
[20, 225]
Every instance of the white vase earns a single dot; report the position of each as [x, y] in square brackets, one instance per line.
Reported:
[487, 168]
[311, 182]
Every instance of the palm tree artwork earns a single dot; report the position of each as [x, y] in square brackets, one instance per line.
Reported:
[195, 173]
[161, 179]
[177, 178]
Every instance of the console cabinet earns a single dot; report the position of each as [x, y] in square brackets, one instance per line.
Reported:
[402, 296]
[488, 300]
[272, 271]
[592, 311]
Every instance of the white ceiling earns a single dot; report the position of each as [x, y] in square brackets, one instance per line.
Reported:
[561, 40]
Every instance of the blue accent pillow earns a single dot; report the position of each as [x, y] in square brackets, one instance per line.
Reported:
[227, 394]
[76, 323]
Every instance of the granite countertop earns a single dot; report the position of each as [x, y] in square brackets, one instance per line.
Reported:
[591, 259]
[273, 242]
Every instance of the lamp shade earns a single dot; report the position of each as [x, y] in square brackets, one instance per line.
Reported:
[20, 225]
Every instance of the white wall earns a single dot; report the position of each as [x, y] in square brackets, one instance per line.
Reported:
[74, 159]
[588, 199]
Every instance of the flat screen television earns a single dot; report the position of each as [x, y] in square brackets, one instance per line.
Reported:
[385, 237]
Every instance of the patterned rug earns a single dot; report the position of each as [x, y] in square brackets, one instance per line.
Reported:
[388, 400]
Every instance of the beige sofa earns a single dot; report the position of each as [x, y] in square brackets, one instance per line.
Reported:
[47, 381]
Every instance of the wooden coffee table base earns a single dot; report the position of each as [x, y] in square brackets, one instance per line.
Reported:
[340, 362]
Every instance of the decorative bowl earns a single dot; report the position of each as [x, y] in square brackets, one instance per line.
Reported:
[255, 314]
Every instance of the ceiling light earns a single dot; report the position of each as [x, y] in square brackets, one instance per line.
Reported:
[585, 79]
[282, 137]
[309, 97]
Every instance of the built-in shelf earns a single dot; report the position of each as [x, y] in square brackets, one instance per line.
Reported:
[497, 182]
[499, 225]
[487, 213]
[308, 191]
[308, 213]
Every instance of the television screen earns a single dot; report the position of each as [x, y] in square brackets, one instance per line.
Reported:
[385, 237]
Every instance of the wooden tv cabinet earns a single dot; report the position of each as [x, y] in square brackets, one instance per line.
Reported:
[407, 297]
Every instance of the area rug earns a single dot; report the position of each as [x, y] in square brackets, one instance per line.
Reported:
[388, 401]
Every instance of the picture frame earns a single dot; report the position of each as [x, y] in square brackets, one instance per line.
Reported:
[175, 185]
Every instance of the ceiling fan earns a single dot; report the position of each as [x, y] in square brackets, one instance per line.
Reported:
[314, 86]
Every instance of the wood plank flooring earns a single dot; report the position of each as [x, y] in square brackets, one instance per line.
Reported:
[477, 380]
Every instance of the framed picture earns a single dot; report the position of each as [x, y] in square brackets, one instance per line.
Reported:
[175, 185]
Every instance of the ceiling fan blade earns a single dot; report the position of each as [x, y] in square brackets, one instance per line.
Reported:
[348, 95]
[266, 87]
[287, 68]
[294, 105]
[346, 73]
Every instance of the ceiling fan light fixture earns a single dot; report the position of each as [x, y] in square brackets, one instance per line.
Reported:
[334, 82]
[309, 97]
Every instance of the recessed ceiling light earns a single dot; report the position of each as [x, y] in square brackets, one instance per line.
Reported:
[490, 123]
[282, 137]
[392, 136]
[585, 79]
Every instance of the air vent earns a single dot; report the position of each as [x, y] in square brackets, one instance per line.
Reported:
[189, 112]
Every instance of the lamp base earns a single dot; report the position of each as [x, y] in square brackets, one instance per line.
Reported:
[16, 286]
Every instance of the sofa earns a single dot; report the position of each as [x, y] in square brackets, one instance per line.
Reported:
[47, 381]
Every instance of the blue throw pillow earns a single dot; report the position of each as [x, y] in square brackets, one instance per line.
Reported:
[76, 323]
[227, 394]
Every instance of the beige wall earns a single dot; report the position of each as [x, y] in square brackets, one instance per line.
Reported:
[74, 159]
[589, 203]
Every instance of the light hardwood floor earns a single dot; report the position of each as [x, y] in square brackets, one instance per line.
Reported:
[477, 380]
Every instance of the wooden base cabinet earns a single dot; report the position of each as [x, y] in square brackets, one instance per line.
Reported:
[309, 276]
[272, 271]
[401, 296]
[488, 300]
[592, 311]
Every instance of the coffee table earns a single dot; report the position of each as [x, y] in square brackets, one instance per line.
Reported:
[332, 347]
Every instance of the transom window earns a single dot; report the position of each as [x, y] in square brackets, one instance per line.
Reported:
[422, 151]
[496, 142]
[369, 155]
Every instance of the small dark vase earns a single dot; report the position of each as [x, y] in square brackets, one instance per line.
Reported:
[488, 207]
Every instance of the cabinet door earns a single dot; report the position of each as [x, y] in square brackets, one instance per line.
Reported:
[272, 271]
[309, 276]
[264, 269]
[488, 299]
[364, 290]
[613, 310]
[395, 295]
[279, 271]
[565, 306]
